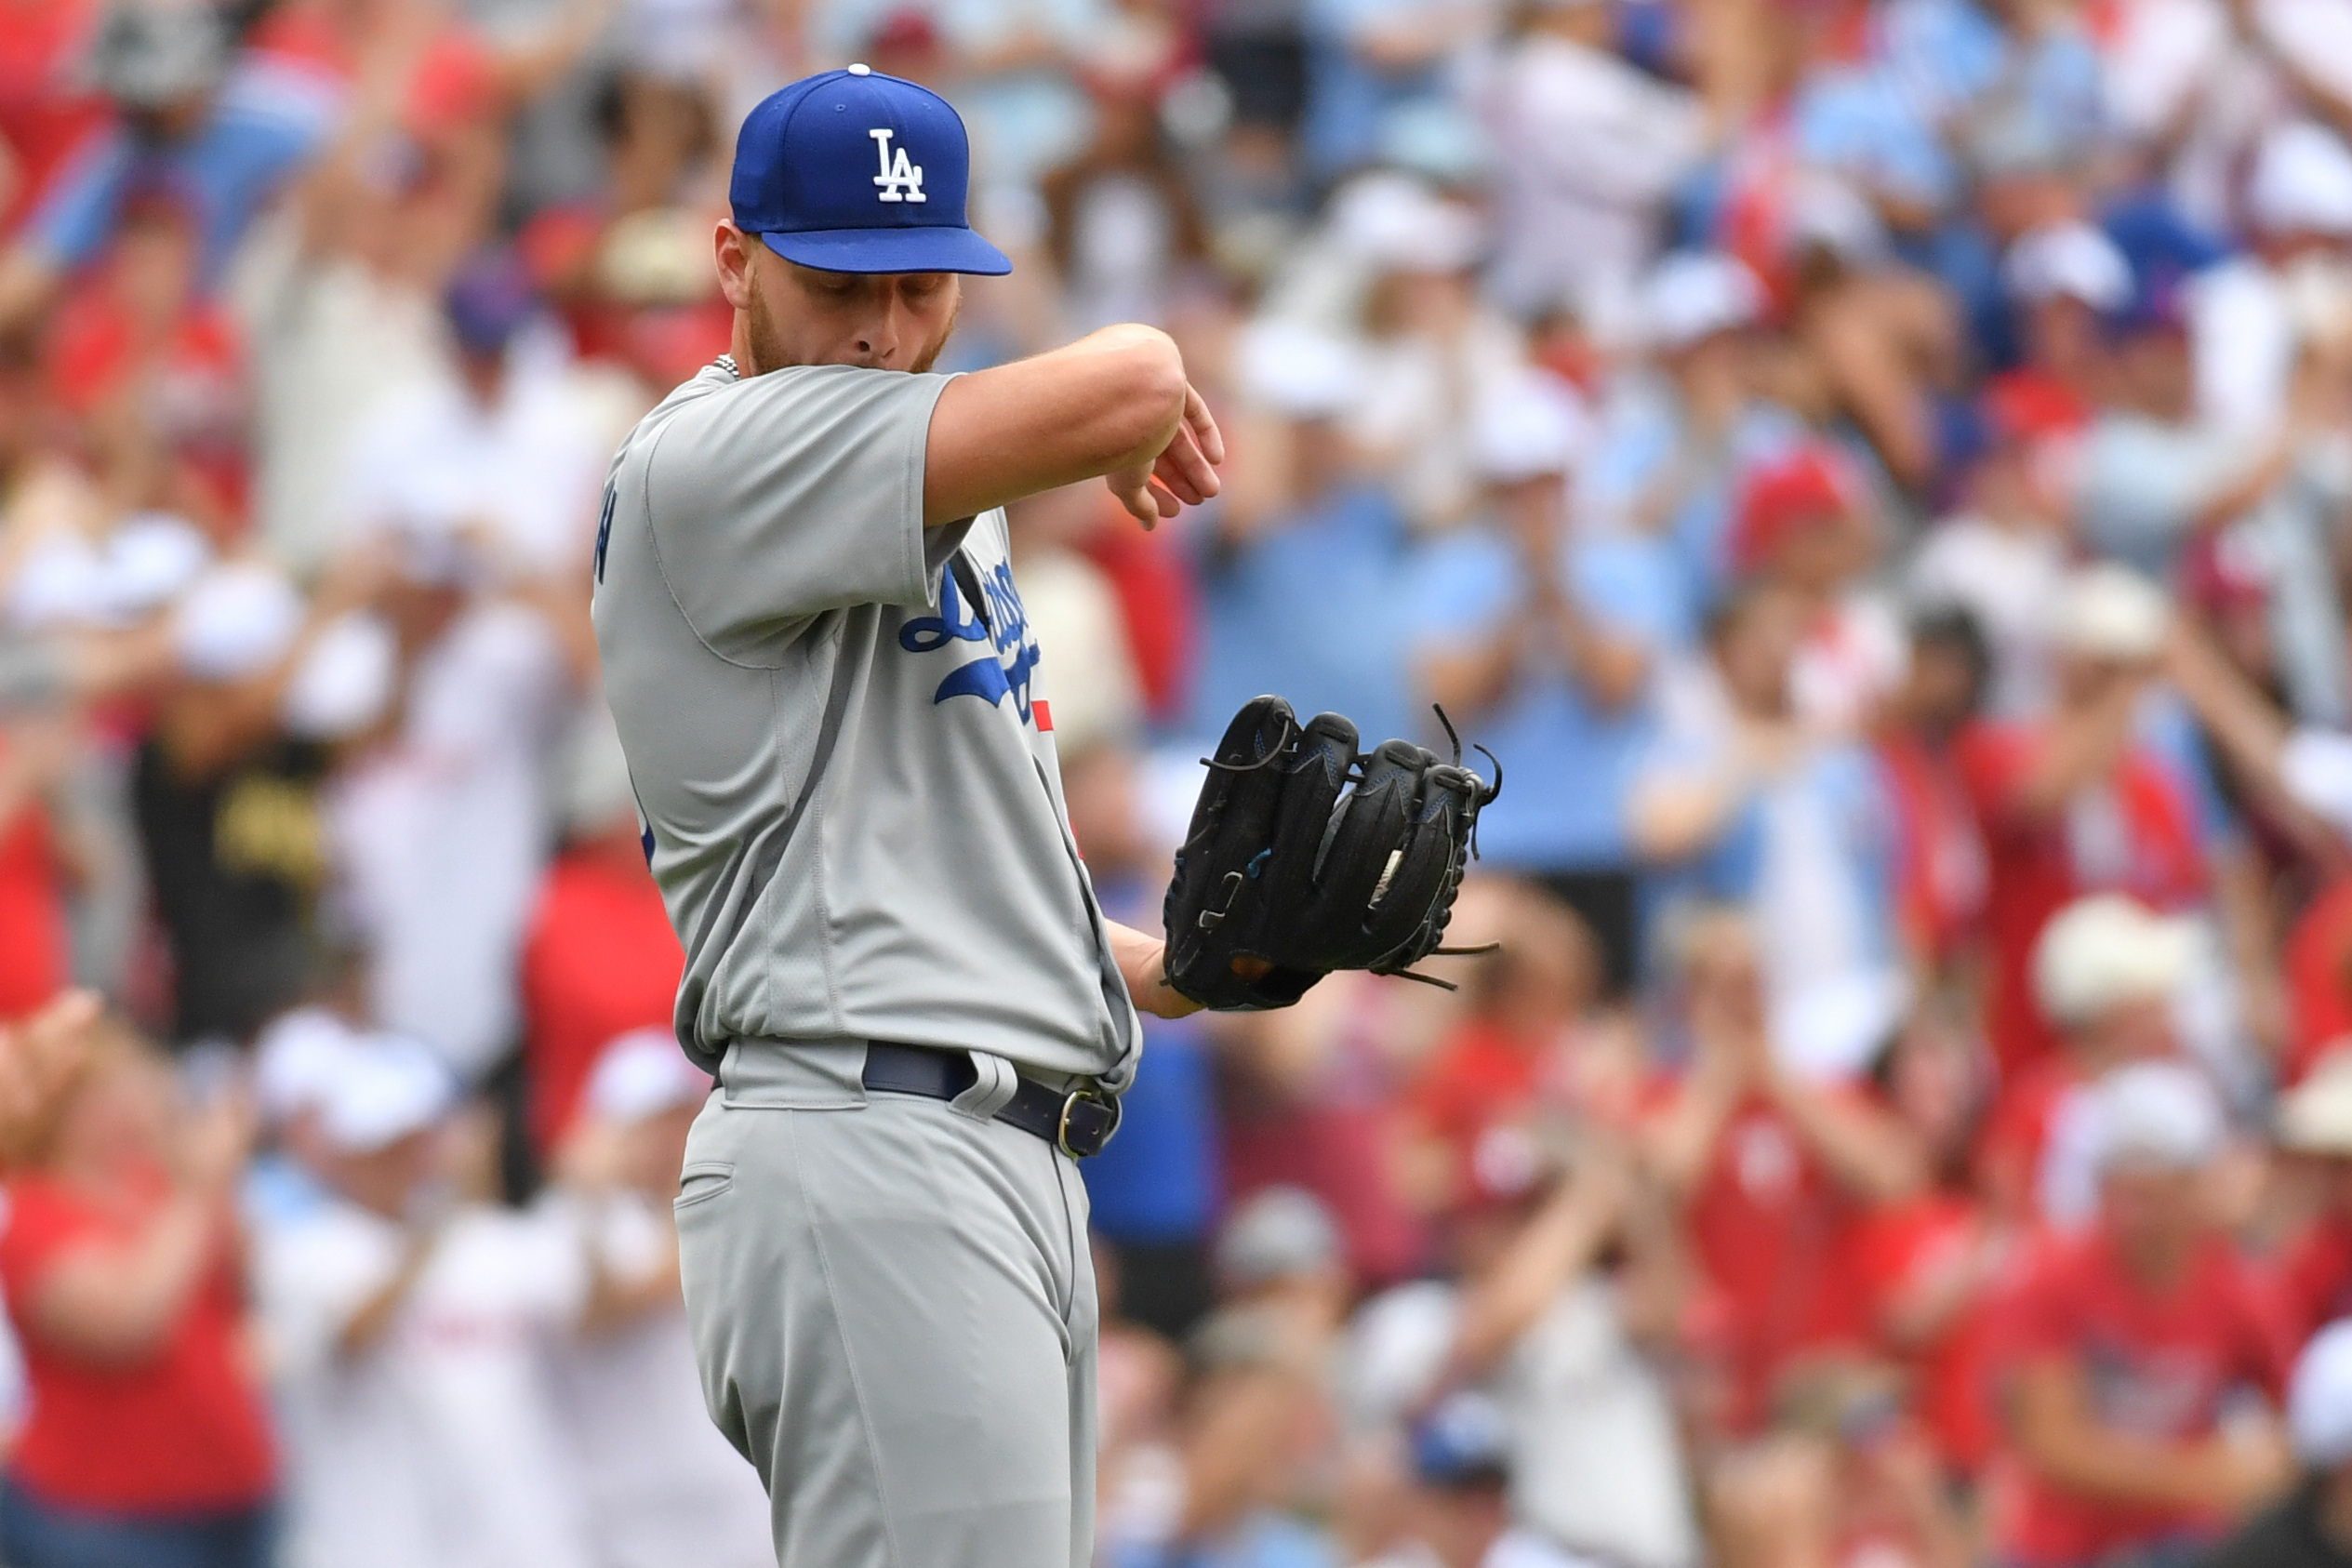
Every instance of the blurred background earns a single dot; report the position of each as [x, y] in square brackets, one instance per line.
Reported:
[1878, 472]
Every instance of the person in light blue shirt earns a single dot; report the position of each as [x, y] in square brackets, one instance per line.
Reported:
[1671, 438]
[1740, 803]
[1306, 597]
[215, 136]
[1541, 646]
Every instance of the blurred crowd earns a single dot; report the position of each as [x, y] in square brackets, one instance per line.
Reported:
[1878, 474]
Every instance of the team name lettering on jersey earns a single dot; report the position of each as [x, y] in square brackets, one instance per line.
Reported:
[1000, 672]
[899, 181]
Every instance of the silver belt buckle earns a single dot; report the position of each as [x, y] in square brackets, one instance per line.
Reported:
[1061, 1131]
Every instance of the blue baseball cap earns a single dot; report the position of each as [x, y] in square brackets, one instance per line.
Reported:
[1465, 1442]
[852, 172]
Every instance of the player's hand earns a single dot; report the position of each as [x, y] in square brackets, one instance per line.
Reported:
[1183, 474]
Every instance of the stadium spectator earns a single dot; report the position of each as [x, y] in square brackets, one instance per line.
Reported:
[1941, 872]
[408, 1321]
[1845, 1476]
[1676, 429]
[219, 132]
[1768, 813]
[1302, 581]
[1251, 1418]
[599, 960]
[2106, 976]
[2074, 802]
[2313, 1527]
[1532, 1043]
[1543, 640]
[2125, 1345]
[657, 1482]
[1459, 1516]
[1770, 1171]
[2002, 557]
[2315, 1126]
[147, 1440]
[1927, 1270]
[1801, 524]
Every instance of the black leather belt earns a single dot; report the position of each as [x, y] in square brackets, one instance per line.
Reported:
[1079, 1122]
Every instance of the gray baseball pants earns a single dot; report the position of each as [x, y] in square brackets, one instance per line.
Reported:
[893, 1315]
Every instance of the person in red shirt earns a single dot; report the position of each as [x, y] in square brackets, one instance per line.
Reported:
[147, 1440]
[2075, 802]
[600, 958]
[1925, 1267]
[2125, 1347]
[1940, 873]
[1805, 524]
[2104, 972]
[2314, 1277]
[1772, 1171]
[1535, 1044]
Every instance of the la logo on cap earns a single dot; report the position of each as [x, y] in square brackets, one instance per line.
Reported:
[900, 180]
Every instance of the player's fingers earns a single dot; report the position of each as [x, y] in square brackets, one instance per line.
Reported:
[1135, 496]
[1171, 474]
[1169, 506]
[1184, 460]
[1203, 424]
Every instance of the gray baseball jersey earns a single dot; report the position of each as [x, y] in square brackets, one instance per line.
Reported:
[850, 801]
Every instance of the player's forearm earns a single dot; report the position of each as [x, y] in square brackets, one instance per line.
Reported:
[1141, 964]
[1113, 400]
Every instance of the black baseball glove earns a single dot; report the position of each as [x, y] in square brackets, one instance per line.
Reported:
[1306, 856]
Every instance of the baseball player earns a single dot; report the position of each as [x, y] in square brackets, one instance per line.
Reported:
[895, 967]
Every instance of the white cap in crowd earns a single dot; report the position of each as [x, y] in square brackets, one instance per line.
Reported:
[2111, 612]
[1697, 294]
[1826, 213]
[643, 1073]
[2302, 183]
[2071, 261]
[1280, 1233]
[1397, 224]
[2320, 1399]
[385, 1089]
[2105, 951]
[296, 1057]
[2157, 1113]
[1293, 369]
[345, 682]
[2314, 1117]
[1527, 428]
[235, 621]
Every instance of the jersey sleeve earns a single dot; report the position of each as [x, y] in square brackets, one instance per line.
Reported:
[787, 495]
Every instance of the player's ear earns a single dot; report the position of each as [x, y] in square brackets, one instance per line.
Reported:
[733, 248]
